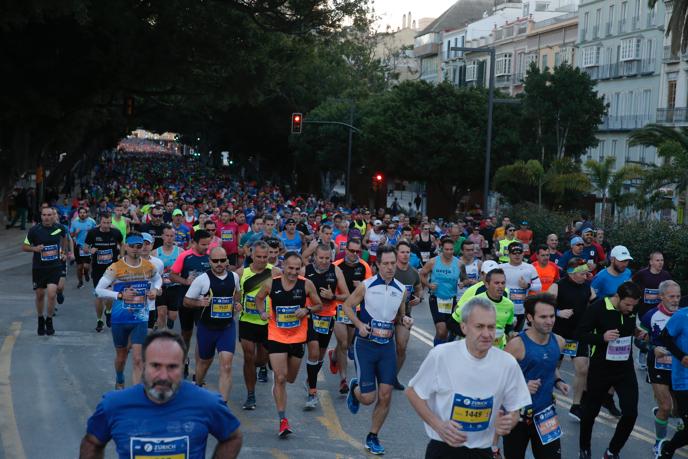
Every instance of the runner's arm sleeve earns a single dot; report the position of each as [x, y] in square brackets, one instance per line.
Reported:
[221, 422]
[98, 424]
[156, 281]
[102, 290]
[585, 331]
[198, 287]
[671, 331]
[535, 282]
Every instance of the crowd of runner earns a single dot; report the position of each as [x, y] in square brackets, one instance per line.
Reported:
[165, 242]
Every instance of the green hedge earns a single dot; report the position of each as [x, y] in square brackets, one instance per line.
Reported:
[542, 221]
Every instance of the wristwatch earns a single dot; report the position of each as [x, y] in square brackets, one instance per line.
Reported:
[120, 296]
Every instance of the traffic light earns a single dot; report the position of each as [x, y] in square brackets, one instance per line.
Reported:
[296, 123]
[378, 180]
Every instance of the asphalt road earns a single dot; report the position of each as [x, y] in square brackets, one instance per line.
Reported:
[50, 385]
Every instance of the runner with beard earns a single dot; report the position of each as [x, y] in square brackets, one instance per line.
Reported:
[138, 419]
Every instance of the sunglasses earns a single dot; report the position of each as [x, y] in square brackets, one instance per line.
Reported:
[510, 231]
[516, 252]
[136, 246]
[359, 251]
[218, 260]
[578, 245]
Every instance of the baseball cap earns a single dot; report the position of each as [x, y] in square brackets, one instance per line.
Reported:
[524, 222]
[377, 222]
[177, 212]
[576, 240]
[395, 219]
[134, 239]
[621, 253]
[289, 220]
[488, 266]
[586, 229]
[148, 238]
[515, 247]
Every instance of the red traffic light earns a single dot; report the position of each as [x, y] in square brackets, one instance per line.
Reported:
[296, 123]
[378, 177]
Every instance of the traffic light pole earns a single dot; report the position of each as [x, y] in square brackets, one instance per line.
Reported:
[352, 128]
[490, 105]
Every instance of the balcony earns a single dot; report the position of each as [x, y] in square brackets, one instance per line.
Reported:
[622, 69]
[678, 115]
[503, 80]
[624, 122]
[427, 49]
[669, 57]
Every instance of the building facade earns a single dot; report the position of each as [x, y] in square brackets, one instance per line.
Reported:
[620, 46]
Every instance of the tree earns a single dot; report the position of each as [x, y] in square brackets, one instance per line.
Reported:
[518, 180]
[193, 67]
[435, 133]
[561, 111]
[611, 184]
[672, 147]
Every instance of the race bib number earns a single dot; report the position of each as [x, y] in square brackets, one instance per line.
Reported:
[381, 331]
[104, 257]
[547, 425]
[321, 324]
[250, 305]
[472, 414]
[84, 252]
[159, 448]
[570, 348]
[409, 293]
[222, 307]
[227, 235]
[166, 277]
[663, 363]
[517, 295]
[50, 252]
[140, 288]
[341, 317]
[651, 296]
[620, 349]
[445, 306]
[425, 256]
[286, 316]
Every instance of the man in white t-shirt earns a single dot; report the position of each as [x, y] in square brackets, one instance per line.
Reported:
[467, 391]
[521, 279]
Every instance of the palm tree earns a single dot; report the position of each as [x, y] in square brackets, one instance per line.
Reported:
[672, 147]
[676, 28]
[609, 183]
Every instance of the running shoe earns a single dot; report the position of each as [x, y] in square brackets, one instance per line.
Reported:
[108, 319]
[610, 455]
[334, 368]
[41, 326]
[397, 385]
[263, 374]
[80, 284]
[373, 445]
[99, 326]
[87, 276]
[610, 406]
[49, 330]
[584, 454]
[343, 387]
[351, 401]
[659, 453]
[284, 428]
[60, 297]
[250, 403]
[576, 412]
[119, 386]
[311, 402]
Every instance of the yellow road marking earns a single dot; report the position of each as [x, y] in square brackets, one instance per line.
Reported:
[330, 420]
[277, 454]
[9, 433]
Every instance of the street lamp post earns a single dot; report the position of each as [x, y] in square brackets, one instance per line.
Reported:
[490, 105]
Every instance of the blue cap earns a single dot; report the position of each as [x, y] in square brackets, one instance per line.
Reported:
[576, 240]
[148, 238]
[134, 239]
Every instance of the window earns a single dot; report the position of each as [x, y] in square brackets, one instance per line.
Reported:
[472, 71]
[614, 142]
[503, 64]
[636, 13]
[448, 49]
[600, 148]
[526, 9]
[630, 49]
[611, 16]
[544, 61]
[624, 6]
[530, 59]
[586, 18]
[591, 56]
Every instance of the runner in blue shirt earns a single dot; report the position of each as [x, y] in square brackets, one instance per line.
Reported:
[140, 419]
[79, 229]
[608, 280]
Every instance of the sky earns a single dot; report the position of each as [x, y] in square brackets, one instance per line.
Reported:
[392, 11]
